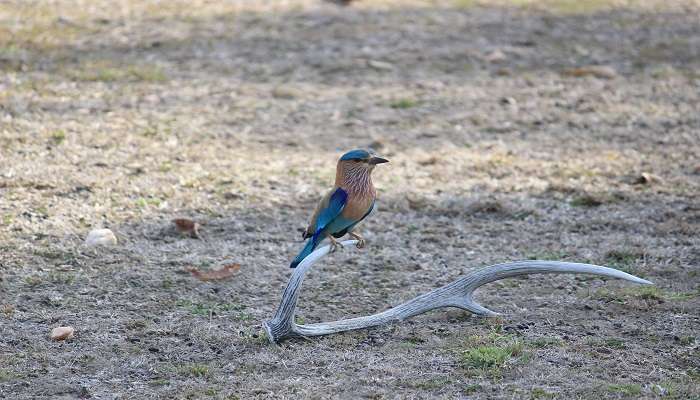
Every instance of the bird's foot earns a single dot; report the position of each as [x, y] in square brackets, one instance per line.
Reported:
[334, 244]
[361, 242]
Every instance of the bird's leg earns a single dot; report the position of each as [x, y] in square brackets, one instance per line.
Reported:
[361, 242]
[334, 243]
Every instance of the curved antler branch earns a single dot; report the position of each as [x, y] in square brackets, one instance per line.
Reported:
[456, 294]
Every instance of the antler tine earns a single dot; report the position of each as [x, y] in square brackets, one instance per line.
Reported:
[456, 294]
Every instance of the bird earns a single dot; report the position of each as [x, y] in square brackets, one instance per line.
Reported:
[349, 202]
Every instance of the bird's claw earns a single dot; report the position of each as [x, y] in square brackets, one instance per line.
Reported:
[334, 245]
[361, 242]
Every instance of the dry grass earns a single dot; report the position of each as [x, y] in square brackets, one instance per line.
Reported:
[128, 114]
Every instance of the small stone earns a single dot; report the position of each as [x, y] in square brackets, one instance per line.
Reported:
[508, 101]
[646, 179]
[101, 237]
[62, 333]
[496, 56]
[380, 65]
[286, 93]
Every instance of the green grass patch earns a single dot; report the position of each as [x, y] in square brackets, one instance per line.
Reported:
[611, 343]
[6, 375]
[546, 342]
[490, 355]
[403, 104]
[106, 71]
[473, 388]
[58, 136]
[625, 389]
[150, 201]
[539, 393]
[32, 280]
[622, 258]
[686, 340]
[195, 370]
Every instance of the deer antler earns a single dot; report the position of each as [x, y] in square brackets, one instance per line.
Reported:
[456, 294]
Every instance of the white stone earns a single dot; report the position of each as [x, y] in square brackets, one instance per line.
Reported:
[100, 237]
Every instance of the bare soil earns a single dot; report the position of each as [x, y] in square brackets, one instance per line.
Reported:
[504, 144]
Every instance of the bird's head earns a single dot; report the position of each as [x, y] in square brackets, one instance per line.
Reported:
[360, 158]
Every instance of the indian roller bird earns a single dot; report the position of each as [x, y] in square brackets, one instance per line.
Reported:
[344, 206]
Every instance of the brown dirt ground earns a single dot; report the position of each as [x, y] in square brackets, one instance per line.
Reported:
[128, 114]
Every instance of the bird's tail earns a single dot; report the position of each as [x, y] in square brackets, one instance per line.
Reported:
[310, 246]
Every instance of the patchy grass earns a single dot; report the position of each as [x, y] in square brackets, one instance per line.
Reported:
[625, 389]
[108, 72]
[686, 340]
[587, 200]
[626, 260]
[490, 355]
[539, 393]
[545, 342]
[195, 370]
[58, 136]
[7, 375]
[404, 103]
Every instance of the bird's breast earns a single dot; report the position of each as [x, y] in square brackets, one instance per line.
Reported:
[357, 207]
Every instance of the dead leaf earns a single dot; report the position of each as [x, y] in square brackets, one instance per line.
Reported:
[187, 227]
[432, 160]
[598, 71]
[216, 274]
[62, 333]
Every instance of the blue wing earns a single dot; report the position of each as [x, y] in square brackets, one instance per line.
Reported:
[326, 217]
[336, 203]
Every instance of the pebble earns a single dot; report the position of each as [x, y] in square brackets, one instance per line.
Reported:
[101, 237]
[62, 333]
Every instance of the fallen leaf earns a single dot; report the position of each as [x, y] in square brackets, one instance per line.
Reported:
[598, 71]
[216, 274]
[62, 333]
[432, 160]
[187, 227]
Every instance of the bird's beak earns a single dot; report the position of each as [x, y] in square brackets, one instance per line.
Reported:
[377, 160]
